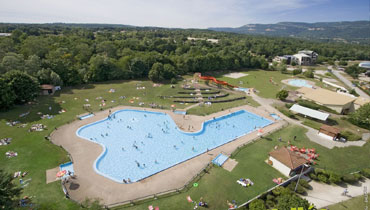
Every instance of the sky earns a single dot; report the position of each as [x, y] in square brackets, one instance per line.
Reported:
[184, 13]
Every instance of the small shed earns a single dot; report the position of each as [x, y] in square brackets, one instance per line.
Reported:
[329, 132]
[286, 161]
[47, 89]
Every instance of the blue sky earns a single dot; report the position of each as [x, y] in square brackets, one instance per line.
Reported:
[182, 14]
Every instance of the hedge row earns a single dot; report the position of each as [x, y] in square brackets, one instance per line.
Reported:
[228, 100]
[331, 177]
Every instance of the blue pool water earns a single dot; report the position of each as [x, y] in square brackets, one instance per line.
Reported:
[299, 83]
[86, 116]
[275, 116]
[180, 112]
[138, 144]
[68, 167]
[220, 159]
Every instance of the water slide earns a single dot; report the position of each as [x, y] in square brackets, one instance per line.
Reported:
[216, 81]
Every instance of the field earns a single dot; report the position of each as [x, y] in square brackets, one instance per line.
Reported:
[354, 203]
[220, 185]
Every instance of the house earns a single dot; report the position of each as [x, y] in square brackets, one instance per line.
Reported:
[302, 59]
[340, 103]
[329, 132]
[360, 101]
[313, 55]
[47, 89]
[287, 162]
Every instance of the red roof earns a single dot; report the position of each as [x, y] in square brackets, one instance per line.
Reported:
[288, 158]
[47, 87]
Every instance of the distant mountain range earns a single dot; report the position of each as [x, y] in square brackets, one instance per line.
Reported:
[347, 31]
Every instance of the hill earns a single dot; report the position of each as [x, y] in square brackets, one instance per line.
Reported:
[347, 32]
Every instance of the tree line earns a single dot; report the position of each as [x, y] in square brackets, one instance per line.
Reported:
[75, 54]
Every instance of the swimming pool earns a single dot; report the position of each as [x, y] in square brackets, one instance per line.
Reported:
[138, 144]
[299, 83]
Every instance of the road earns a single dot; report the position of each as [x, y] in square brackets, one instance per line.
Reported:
[349, 84]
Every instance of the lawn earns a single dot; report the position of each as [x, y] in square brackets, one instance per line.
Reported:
[36, 155]
[355, 203]
[219, 185]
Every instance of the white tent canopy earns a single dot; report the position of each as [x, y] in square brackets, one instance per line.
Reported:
[309, 112]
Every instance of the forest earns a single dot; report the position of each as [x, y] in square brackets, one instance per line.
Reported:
[73, 54]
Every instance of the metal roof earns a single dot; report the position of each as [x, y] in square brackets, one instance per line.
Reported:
[309, 112]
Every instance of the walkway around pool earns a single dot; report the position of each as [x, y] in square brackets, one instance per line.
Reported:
[89, 184]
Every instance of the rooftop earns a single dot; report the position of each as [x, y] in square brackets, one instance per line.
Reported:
[362, 101]
[330, 129]
[46, 87]
[288, 158]
[309, 112]
[325, 97]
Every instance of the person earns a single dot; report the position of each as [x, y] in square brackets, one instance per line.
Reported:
[128, 180]
[280, 139]
[110, 112]
[345, 192]
[124, 181]
[294, 138]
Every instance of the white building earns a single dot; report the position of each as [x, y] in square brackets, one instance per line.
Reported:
[286, 161]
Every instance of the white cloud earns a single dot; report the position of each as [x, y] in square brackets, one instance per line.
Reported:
[165, 13]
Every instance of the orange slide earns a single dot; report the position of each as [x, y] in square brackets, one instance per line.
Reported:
[216, 81]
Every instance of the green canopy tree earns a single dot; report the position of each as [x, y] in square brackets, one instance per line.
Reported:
[156, 72]
[257, 204]
[361, 117]
[7, 95]
[288, 201]
[25, 87]
[9, 192]
[282, 94]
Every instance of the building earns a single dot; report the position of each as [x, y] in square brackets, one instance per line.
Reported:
[329, 132]
[309, 112]
[5, 34]
[365, 64]
[303, 57]
[287, 162]
[47, 90]
[313, 55]
[341, 103]
[360, 101]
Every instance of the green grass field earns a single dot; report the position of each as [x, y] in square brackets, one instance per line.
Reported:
[357, 203]
[36, 155]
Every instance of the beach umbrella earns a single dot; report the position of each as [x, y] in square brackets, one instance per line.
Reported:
[61, 173]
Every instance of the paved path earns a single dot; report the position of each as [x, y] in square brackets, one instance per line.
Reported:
[349, 84]
[312, 134]
[89, 184]
[323, 195]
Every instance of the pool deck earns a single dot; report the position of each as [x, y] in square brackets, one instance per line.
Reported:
[89, 184]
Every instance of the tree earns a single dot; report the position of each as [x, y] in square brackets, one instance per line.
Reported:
[7, 95]
[289, 201]
[169, 71]
[361, 117]
[282, 94]
[156, 72]
[257, 204]
[308, 74]
[13, 61]
[32, 65]
[25, 87]
[9, 192]
[297, 71]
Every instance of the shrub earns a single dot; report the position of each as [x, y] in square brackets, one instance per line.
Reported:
[366, 172]
[335, 178]
[257, 204]
[343, 63]
[313, 176]
[300, 190]
[308, 104]
[304, 184]
[173, 81]
[308, 74]
[323, 178]
[297, 71]
[350, 136]
[282, 94]
[350, 178]
[288, 105]
[361, 116]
